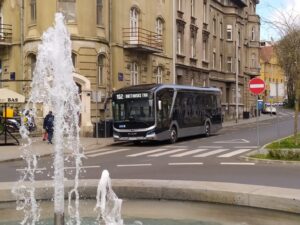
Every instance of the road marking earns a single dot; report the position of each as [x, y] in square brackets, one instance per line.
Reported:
[175, 146]
[185, 164]
[31, 169]
[82, 167]
[147, 152]
[237, 163]
[211, 152]
[210, 146]
[234, 141]
[109, 152]
[97, 150]
[134, 165]
[236, 152]
[167, 152]
[189, 152]
[246, 147]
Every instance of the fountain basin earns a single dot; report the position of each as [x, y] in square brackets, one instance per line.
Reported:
[183, 201]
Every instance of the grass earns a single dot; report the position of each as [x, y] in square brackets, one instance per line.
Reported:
[284, 149]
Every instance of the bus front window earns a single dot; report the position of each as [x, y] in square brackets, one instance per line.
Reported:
[133, 110]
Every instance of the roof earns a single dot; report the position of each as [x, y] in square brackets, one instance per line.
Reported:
[153, 87]
[266, 53]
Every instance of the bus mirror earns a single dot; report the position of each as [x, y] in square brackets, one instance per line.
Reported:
[159, 105]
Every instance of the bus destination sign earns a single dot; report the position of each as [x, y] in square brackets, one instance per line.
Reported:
[132, 96]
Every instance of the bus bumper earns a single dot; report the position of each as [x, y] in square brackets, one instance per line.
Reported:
[148, 137]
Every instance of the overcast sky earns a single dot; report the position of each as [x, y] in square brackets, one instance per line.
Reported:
[266, 9]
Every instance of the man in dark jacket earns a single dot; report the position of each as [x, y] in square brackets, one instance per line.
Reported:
[48, 125]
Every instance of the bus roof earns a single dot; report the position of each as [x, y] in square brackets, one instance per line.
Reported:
[154, 87]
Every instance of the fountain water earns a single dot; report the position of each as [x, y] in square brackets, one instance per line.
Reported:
[53, 86]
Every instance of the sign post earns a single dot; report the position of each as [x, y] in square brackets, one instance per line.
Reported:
[257, 86]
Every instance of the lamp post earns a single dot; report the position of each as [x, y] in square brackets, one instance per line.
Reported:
[236, 75]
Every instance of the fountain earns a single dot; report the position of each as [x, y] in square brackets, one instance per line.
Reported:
[53, 86]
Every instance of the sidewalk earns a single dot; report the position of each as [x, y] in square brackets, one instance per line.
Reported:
[42, 148]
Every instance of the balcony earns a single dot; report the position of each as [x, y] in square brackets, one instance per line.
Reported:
[142, 40]
[252, 71]
[5, 34]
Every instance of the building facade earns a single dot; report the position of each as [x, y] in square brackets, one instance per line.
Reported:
[272, 74]
[119, 43]
[218, 44]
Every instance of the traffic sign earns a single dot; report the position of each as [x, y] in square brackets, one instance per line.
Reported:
[256, 86]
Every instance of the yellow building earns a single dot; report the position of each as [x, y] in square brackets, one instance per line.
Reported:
[272, 74]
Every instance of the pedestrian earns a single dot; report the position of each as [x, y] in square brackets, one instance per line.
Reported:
[48, 125]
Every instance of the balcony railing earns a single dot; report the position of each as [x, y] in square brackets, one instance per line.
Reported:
[5, 34]
[142, 40]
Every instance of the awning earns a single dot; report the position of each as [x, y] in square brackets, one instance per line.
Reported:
[9, 96]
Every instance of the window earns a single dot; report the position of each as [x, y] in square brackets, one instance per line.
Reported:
[159, 29]
[221, 62]
[179, 5]
[204, 12]
[68, 8]
[229, 32]
[221, 29]
[134, 24]
[193, 46]
[33, 11]
[159, 75]
[253, 34]
[214, 26]
[193, 8]
[239, 38]
[99, 12]
[229, 64]
[214, 59]
[32, 64]
[134, 74]
[204, 49]
[179, 42]
[74, 59]
[100, 78]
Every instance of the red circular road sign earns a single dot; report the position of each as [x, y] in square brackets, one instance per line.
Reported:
[256, 85]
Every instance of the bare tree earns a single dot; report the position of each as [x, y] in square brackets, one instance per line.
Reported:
[288, 53]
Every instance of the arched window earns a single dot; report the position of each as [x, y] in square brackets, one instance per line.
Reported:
[134, 25]
[134, 74]
[159, 30]
[101, 78]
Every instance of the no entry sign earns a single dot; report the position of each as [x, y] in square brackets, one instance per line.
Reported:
[256, 86]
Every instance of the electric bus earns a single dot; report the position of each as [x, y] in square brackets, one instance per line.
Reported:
[165, 112]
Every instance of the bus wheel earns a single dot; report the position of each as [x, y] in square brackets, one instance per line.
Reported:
[173, 135]
[207, 129]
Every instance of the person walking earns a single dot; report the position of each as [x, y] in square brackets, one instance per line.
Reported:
[48, 125]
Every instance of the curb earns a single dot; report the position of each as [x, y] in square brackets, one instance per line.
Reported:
[272, 198]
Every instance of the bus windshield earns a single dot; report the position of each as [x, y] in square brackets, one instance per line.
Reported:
[138, 110]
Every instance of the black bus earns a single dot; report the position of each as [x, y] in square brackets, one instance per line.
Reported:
[165, 112]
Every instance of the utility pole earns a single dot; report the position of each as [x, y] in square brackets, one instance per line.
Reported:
[22, 42]
[236, 75]
[174, 41]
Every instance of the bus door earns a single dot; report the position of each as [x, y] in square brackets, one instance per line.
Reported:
[164, 102]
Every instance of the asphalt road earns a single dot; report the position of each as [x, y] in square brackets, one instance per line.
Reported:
[216, 158]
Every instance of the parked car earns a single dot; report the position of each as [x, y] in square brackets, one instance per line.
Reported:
[269, 110]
